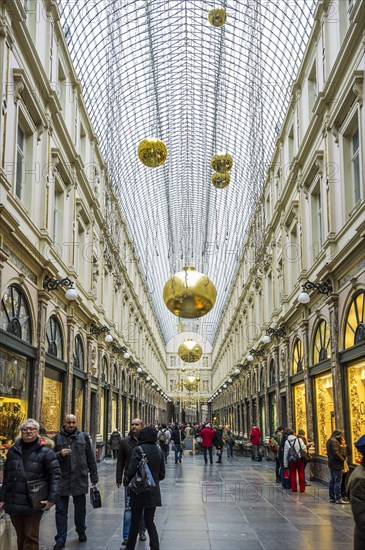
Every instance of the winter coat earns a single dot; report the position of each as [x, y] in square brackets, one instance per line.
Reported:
[75, 466]
[207, 434]
[164, 432]
[126, 447]
[156, 463]
[255, 436]
[335, 458]
[115, 439]
[41, 463]
[356, 493]
[229, 437]
[218, 439]
[283, 439]
[299, 447]
[177, 436]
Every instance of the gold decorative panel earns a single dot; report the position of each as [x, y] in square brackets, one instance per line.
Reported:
[300, 408]
[356, 404]
[325, 410]
[51, 405]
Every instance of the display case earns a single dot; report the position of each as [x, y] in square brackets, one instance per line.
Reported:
[356, 404]
[52, 404]
[325, 410]
[300, 407]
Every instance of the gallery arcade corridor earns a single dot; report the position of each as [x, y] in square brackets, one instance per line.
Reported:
[235, 505]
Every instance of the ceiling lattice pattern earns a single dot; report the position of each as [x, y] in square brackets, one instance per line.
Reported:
[158, 68]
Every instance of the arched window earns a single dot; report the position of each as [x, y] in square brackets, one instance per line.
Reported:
[123, 381]
[104, 371]
[297, 362]
[253, 386]
[355, 321]
[54, 337]
[115, 375]
[321, 344]
[78, 353]
[272, 373]
[262, 379]
[15, 315]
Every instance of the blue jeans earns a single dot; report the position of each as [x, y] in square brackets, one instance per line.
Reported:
[335, 484]
[128, 515]
[205, 451]
[177, 448]
[230, 450]
[62, 512]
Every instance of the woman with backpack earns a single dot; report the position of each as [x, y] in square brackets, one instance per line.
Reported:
[164, 438]
[294, 453]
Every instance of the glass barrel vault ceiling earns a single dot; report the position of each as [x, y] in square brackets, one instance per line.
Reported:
[158, 68]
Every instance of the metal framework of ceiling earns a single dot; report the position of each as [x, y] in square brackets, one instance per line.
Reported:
[158, 68]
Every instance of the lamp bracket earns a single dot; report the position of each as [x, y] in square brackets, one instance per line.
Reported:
[323, 287]
[52, 284]
[94, 329]
[278, 332]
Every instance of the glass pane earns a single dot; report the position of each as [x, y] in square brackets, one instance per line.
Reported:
[79, 402]
[324, 411]
[300, 408]
[355, 316]
[356, 405]
[52, 405]
[14, 314]
[14, 391]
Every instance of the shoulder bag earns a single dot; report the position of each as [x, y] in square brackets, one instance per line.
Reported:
[37, 490]
[142, 481]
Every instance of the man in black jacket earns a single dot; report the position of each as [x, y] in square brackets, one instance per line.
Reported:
[28, 460]
[76, 458]
[335, 464]
[126, 447]
[356, 492]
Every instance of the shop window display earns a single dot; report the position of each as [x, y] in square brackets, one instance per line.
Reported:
[14, 390]
[356, 394]
[79, 400]
[355, 322]
[300, 408]
[325, 410]
[52, 403]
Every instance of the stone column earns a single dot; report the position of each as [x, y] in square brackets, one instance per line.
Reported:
[70, 360]
[40, 362]
[332, 302]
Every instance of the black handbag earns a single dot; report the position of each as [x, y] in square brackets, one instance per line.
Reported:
[95, 497]
[37, 491]
[142, 481]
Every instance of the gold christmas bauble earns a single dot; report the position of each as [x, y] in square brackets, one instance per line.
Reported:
[189, 294]
[220, 181]
[152, 152]
[190, 351]
[217, 17]
[222, 162]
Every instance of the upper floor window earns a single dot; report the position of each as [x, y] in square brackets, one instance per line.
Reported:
[20, 162]
[272, 374]
[316, 219]
[79, 353]
[297, 357]
[355, 321]
[54, 337]
[15, 315]
[352, 161]
[321, 344]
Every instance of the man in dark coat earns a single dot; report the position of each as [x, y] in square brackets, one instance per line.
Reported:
[356, 493]
[146, 502]
[39, 462]
[335, 464]
[218, 443]
[74, 452]
[126, 447]
[177, 437]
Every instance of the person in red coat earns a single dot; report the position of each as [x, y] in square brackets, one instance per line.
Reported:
[255, 439]
[207, 434]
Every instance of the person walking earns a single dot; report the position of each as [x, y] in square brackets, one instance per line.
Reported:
[126, 447]
[177, 437]
[274, 443]
[255, 439]
[207, 435]
[76, 457]
[114, 442]
[229, 439]
[218, 443]
[335, 464]
[164, 438]
[294, 451]
[29, 459]
[146, 503]
[356, 494]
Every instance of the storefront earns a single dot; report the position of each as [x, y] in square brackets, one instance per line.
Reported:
[298, 388]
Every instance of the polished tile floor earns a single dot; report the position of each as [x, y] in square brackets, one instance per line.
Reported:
[235, 505]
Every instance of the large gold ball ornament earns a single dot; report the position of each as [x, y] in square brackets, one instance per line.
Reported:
[217, 17]
[222, 162]
[189, 294]
[220, 181]
[152, 152]
[190, 351]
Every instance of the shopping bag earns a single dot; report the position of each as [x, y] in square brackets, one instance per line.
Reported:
[95, 497]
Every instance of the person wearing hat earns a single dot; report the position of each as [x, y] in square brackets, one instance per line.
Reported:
[335, 464]
[356, 493]
[145, 503]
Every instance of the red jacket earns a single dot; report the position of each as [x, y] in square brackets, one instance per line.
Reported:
[207, 435]
[255, 436]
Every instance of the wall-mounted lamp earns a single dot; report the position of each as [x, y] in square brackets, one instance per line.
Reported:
[148, 378]
[277, 332]
[220, 390]
[94, 329]
[118, 349]
[255, 353]
[139, 370]
[324, 287]
[237, 370]
[229, 380]
[108, 338]
[153, 384]
[224, 386]
[53, 284]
